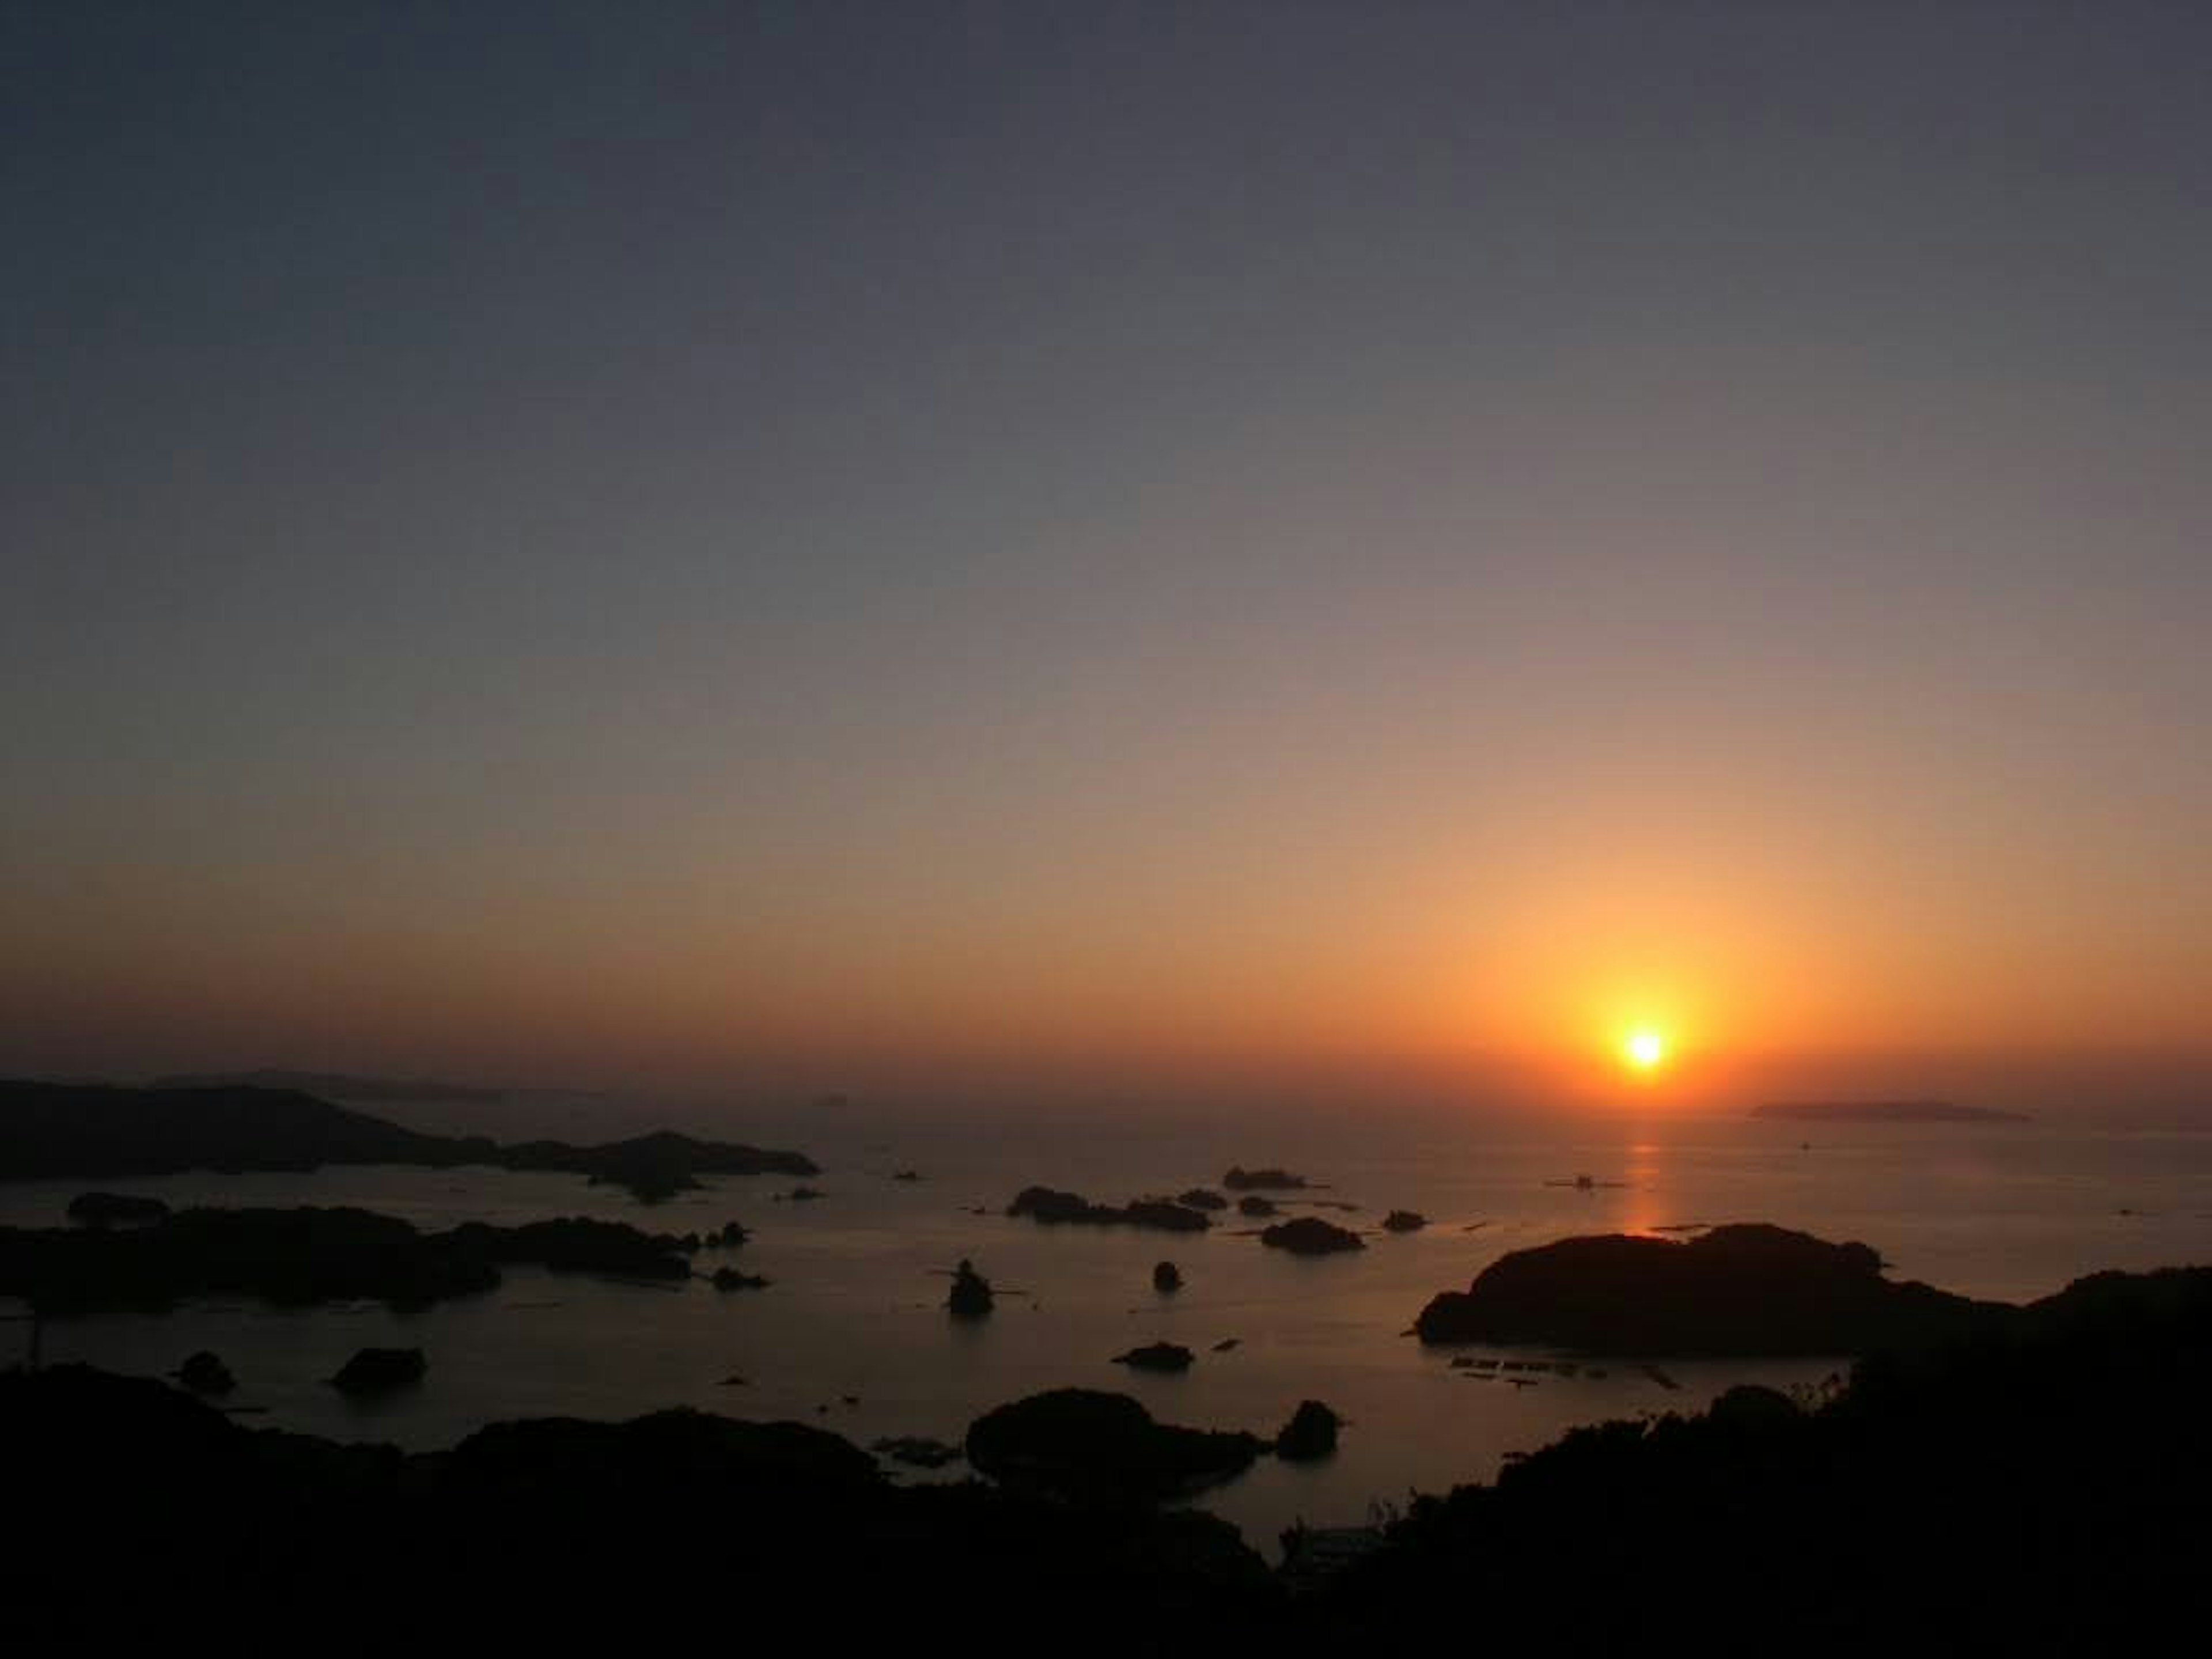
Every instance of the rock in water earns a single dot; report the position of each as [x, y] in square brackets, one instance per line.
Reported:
[381, 1371]
[1404, 1221]
[1243, 1180]
[1156, 1357]
[1310, 1235]
[970, 1297]
[1310, 1433]
[1167, 1277]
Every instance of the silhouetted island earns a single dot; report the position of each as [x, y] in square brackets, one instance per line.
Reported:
[56, 1130]
[1883, 1112]
[1056, 1208]
[1309, 1234]
[1169, 1357]
[1310, 1435]
[971, 1296]
[301, 1256]
[1085, 1445]
[1738, 1290]
[1240, 1180]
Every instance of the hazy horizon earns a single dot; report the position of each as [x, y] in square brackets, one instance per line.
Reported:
[1110, 556]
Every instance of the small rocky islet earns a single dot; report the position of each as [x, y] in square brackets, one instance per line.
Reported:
[1309, 1234]
[971, 1296]
[1167, 1356]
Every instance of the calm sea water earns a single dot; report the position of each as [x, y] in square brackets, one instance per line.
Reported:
[853, 1334]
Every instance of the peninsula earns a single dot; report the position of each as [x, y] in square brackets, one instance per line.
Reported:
[51, 1131]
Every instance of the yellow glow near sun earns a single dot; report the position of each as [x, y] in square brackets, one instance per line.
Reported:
[1643, 1049]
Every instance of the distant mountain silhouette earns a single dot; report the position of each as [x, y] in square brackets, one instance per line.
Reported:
[51, 1130]
[335, 1086]
[1883, 1112]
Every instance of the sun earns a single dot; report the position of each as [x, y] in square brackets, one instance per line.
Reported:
[1643, 1050]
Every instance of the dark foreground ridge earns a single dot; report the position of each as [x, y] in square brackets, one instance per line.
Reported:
[552, 1526]
[1751, 1289]
[92, 1132]
[299, 1257]
[2036, 1487]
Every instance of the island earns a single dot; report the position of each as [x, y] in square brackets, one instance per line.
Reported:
[1055, 1208]
[1734, 1291]
[1309, 1234]
[1084, 1444]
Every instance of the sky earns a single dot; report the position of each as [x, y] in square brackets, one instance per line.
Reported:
[1127, 548]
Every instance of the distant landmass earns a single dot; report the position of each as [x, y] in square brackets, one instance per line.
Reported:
[301, 1257]
[1884, 1111]
[53, 1130]
[335, 1086]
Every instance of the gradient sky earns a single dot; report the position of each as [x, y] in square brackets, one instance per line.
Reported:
[1140, 543]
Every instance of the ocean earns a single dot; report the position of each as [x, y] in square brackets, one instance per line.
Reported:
[852, 1334]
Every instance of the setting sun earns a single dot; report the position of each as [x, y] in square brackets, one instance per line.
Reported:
[1643, 1050]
